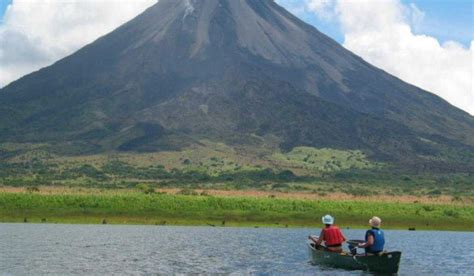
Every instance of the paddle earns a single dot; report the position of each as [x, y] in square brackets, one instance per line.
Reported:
[355, 242]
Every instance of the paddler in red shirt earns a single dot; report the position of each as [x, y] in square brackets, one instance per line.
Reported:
[331, 235]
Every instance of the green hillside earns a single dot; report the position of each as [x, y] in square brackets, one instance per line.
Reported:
[211, 165]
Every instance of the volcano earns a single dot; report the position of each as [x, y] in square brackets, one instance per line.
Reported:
[240, 72]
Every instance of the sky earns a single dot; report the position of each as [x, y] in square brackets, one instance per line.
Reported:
[428, 43]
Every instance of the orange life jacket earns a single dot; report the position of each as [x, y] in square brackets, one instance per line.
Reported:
[332, 235]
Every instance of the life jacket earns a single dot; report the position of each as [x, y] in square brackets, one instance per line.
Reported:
[332, 235]
[379, 240]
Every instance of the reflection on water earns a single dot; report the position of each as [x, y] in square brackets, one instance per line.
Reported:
[107, 249]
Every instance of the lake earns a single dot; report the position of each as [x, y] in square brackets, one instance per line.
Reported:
[108, 249]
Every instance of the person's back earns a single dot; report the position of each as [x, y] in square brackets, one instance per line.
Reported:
[331, 235]
[378, 243]
[374, 238]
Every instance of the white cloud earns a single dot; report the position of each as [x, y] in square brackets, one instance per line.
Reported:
[324, 8]
[380, 32]
[35, 33]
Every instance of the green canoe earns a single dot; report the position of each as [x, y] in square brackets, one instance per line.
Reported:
[388, 262]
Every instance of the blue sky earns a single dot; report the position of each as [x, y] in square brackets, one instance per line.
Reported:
[3, 6]
[447, 19]
[444, 19]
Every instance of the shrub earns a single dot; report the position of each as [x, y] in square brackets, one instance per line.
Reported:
[188, 192]
[451, 213]
[280, 186]
[187, 162]
[145, 188]
[456, 198]
[286, 175]
[359, 192]
[428, 208]
[32, 189]
[435, 192]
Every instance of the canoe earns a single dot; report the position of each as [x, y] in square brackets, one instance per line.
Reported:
[388, 262]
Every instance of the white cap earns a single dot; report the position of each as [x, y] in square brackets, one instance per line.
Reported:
[327, 219]
[375, 222]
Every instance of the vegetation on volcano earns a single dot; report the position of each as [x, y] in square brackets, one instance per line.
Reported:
[312, 170]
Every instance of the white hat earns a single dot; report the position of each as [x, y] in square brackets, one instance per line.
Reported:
[375, 221]
[327, 219]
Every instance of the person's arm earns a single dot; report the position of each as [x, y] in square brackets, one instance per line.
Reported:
[344, 237]
[321, 238]
[313, 238]
[317, 240]
[370, 241]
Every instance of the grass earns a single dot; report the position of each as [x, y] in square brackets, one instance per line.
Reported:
[324, 160]
[212, 158]
[139, 208]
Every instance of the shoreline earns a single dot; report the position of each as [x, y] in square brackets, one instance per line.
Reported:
[315, 229]
[136, 208]
[190, 223]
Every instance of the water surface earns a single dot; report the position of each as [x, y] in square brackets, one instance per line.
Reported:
[107, 249]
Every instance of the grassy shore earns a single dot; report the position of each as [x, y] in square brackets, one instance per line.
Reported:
[130, 207]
